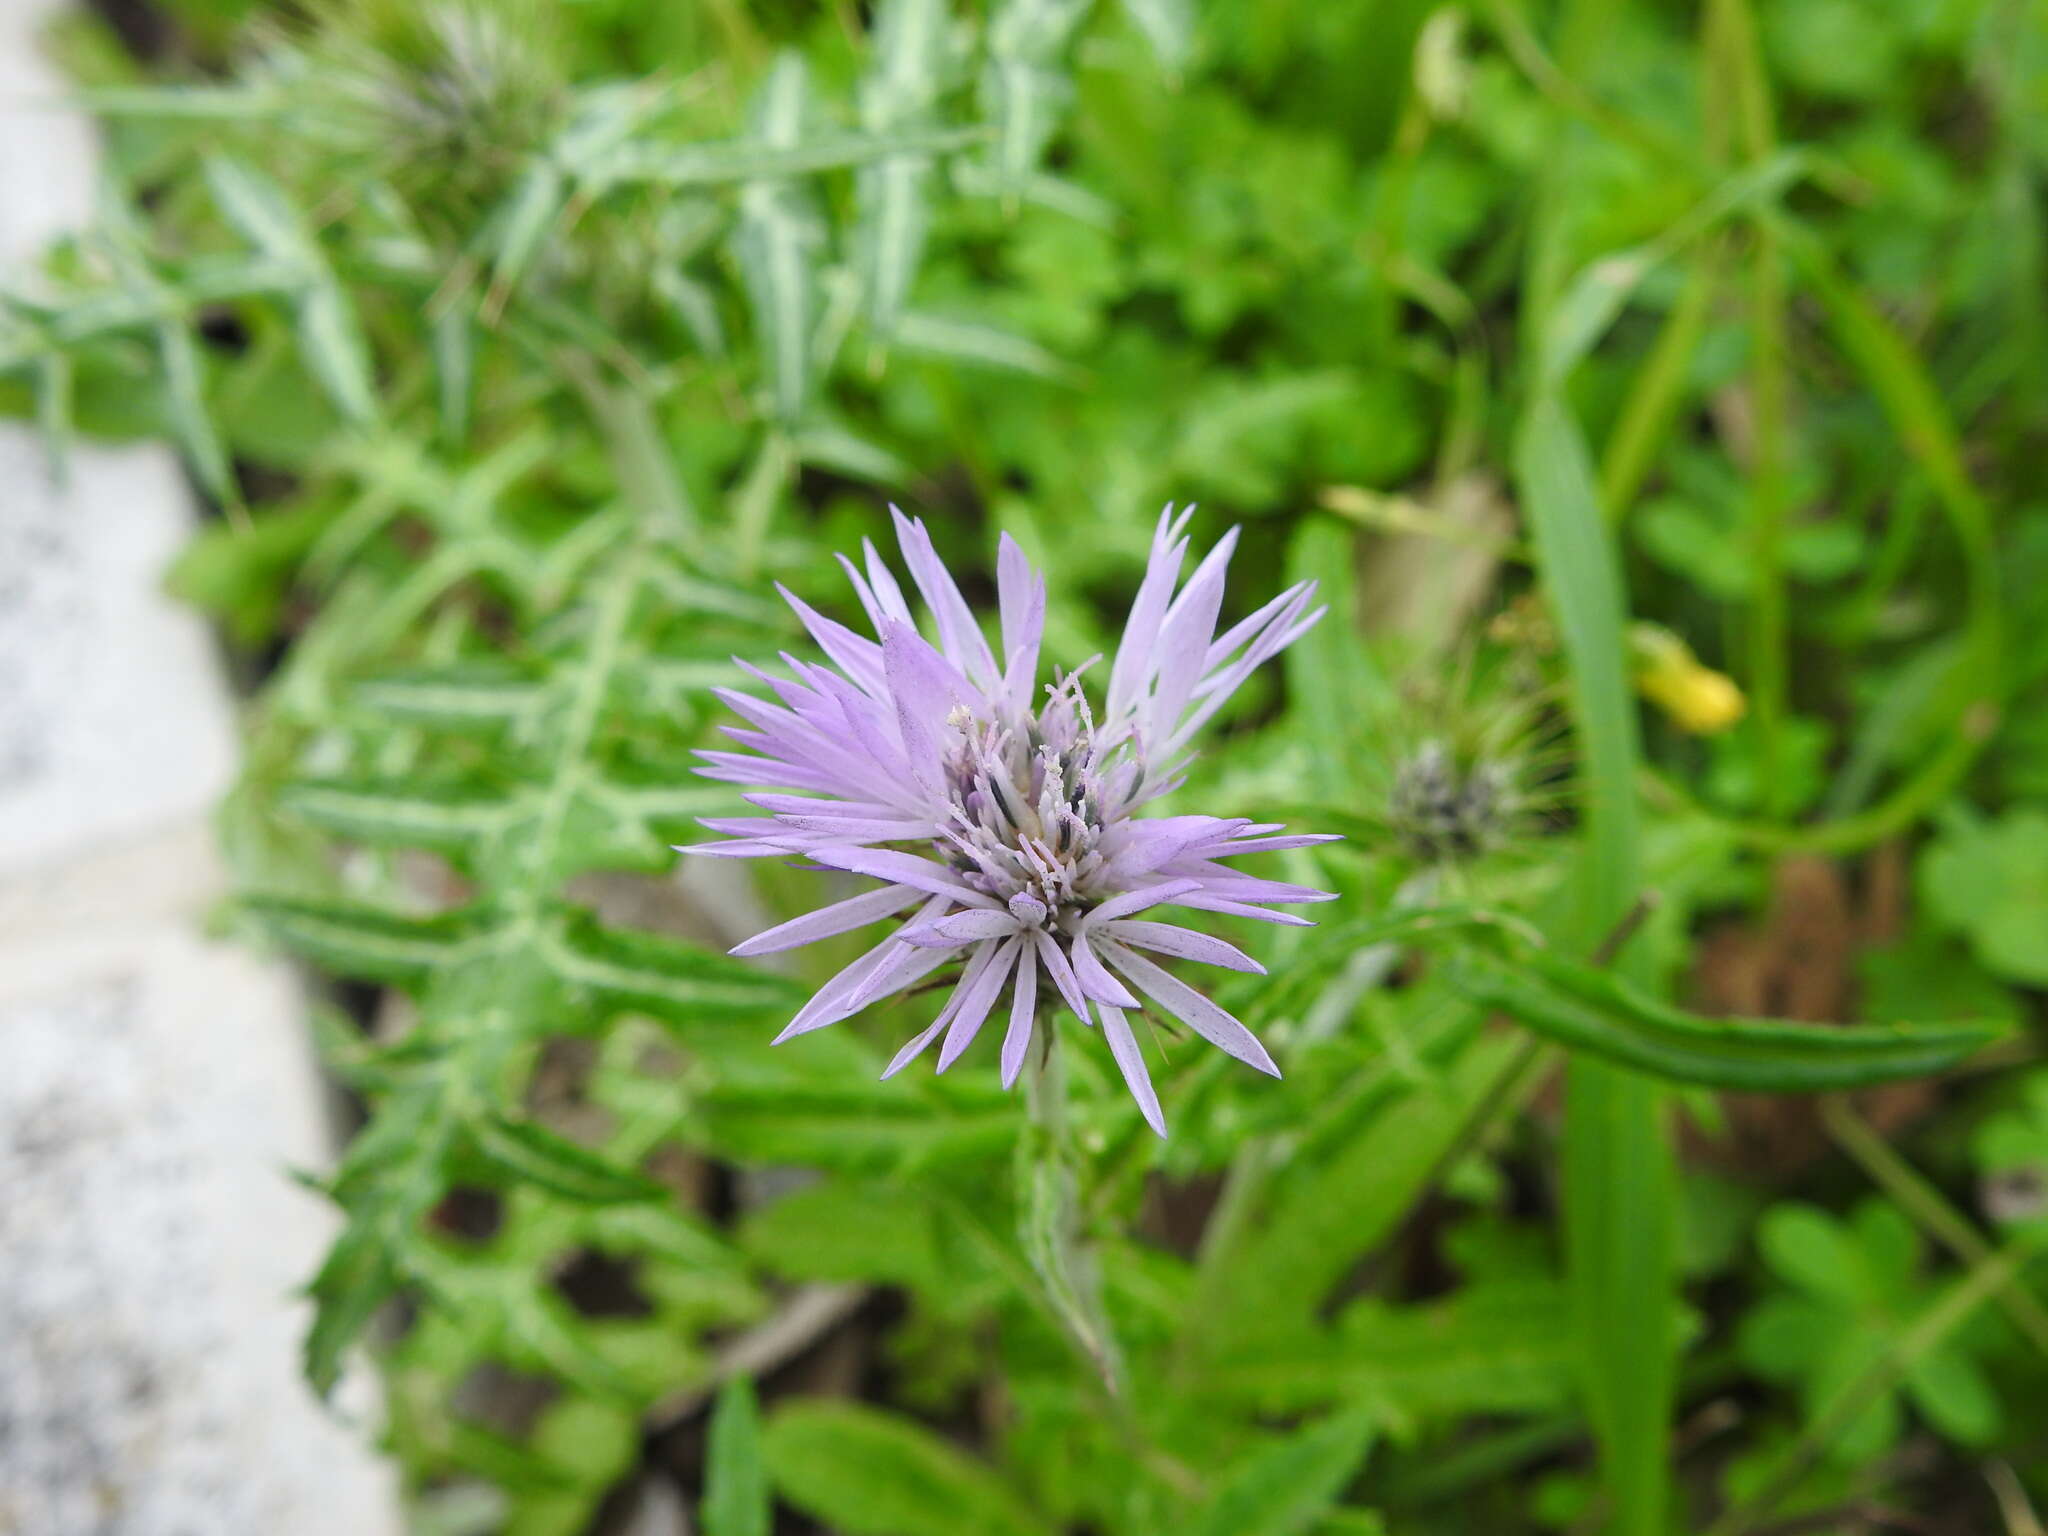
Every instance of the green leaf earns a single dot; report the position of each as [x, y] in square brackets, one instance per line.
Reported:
[531, 208]
[1284, 1489]
[856, 1126]
[892, 195]
[776, 243]
[1326, 1216]
[1988, 881]
[401, 813]
[869, 1473]
[848, 1230]
[539, 1156]
[983, 346]
[735, 1476]
[764, 159]
[665, 977]
[454, 698]
[354, 1281]
[329, 337]
[1493, 1347]
[1618, 1176]
[1023, 90]
[1592, 1010]
[367, 942]
[185, 387]
[1168, 25]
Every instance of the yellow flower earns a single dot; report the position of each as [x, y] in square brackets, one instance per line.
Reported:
[1698, 699]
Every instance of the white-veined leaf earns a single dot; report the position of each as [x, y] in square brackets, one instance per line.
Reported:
[462, 697]
[329, 338]
[537, 1155]
[1168, 25]
[1022, 89]
[970, 341]
[777, 242]
[664, 977]
[900, 88]
[401, 814]
[741, 161]
[366, 942]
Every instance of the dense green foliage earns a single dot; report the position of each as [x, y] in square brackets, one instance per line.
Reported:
[1619, 370]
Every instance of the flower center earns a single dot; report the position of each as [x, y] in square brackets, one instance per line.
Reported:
[1029, 801]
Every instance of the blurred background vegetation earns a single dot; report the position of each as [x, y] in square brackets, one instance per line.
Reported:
[519, 347]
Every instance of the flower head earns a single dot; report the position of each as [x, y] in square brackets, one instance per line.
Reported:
[1004, 820]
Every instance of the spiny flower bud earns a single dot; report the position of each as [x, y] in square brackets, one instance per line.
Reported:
[1446, 810]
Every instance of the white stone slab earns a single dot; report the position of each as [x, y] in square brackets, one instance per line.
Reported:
[153, 1101]
[156, 1088]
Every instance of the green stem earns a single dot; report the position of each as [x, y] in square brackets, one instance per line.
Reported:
[1924, 1203]
[1653, 399]
[1618, 1194]
[1734, 53]
[1049, 1204]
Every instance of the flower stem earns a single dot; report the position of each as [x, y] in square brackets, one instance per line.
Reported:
[1049, 1213]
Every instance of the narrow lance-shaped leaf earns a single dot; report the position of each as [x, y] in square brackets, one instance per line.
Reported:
[467, 697]
[735, 1476]
[365, 942]
[1022, 88]
[971, 342]
[1168, 25]
[520, 224]
[538, 1155]
[893, 194]
[403, 813]
[777, 242]
[869, 1473]
[664, 977]
[1285, 1489]
[1592, 1010]
[354, 1281]
[1618, 1175]
[711, 165]
[329, 338]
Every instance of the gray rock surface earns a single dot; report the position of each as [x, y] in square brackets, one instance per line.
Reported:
[156, 1088]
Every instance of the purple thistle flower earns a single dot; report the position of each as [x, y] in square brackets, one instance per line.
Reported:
[1019, 846]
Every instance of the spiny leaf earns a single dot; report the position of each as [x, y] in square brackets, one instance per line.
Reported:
[1022, 89]
[777, 242]
[538, 1155]
[900, 88]
[764, 159]
[664, 977]
[467, 696]
[354, 1281]
[970, 341]
[329, 338]
[402, 813]
[367, 942]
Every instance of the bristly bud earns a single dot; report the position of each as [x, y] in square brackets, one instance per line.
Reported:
[1444, 810]
[1468, 763]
